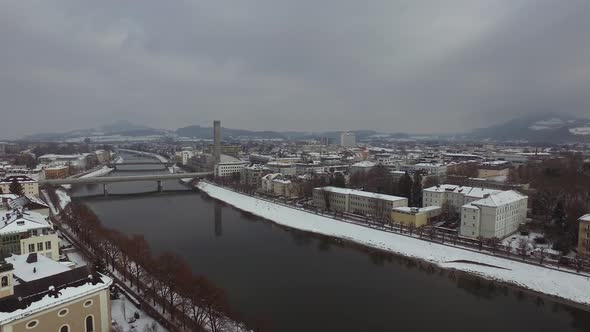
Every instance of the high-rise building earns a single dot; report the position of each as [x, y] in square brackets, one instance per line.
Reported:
[347, 139]
[217, 140]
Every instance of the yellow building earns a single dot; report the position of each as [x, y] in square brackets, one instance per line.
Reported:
[29, 185]
[414, 216]
[57, 172]
[74, 300]
[584, 236]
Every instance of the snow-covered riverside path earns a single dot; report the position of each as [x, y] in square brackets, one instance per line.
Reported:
[559, 284]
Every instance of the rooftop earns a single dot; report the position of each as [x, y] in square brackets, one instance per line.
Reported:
[28, 269]
[364, 163]
[346, 191]
[499, 199]
[14, 222]
[585, 218]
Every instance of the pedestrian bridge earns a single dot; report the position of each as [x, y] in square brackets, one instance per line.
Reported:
[132, 178]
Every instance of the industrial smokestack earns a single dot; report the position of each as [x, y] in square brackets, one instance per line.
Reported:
[217, 140]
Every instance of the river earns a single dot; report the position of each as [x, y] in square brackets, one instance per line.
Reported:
[295, 281]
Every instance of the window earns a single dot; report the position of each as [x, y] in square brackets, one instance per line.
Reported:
[64, 328]
[32, 324]
[63, 312]
[87, 303]
[90, 323]
[47, 245]
[4, 281]
[32, 247]
[40, 246]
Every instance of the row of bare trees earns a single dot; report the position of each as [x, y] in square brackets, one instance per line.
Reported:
[165, 280]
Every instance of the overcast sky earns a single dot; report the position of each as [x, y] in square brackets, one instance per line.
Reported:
[391, 65]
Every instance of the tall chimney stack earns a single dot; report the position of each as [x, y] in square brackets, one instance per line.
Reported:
[217, 140]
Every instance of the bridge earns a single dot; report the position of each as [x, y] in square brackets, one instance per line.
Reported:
[135, 163]
[132, 178]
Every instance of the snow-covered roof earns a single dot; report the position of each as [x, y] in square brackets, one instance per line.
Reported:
[585, 217]
[495, 163]
[364, 163]
[41, 268]
[407, 209]
[475, 192]
[499, 199]
[256, 167]
[15, 222]
[346, 191]
[226, 159]
[18, 178]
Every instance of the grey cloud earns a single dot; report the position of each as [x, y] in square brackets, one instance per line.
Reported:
[419, 66]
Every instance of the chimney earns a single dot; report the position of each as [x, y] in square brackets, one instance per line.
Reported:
[217, 140]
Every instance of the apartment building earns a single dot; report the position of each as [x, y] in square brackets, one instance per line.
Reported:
[455, 196]
[29, 185]
[347, 139]
[39, 294]
[252, 174]
[497, 170]
[229, 166]
[24, 232]
[280, 185]
[584, 236]
[357, 201]
[495, 216]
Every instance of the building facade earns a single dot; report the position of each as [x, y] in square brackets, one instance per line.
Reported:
[414, 216]
[357, 201]
[584, 236]
[495, 216]
[29, 185]
[27, 232]
[347, 139]
[75, 300]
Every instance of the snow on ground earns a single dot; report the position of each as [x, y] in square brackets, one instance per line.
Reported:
[100, 172]
[515, 240]
[122, 310]
[543, 280]
[64, 198]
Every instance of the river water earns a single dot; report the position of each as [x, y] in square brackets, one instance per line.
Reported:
[295, 281]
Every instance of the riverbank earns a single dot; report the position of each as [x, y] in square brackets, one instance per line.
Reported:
[559, 284]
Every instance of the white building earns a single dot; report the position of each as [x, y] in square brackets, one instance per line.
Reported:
[362, 167]
[228, 166]
[484, 212]
[429, 168]
[347, 139]
[497, 215]
[24, 232]
[456, 196]
[184, 156]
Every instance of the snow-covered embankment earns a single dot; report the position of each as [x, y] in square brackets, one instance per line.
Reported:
[560, 284]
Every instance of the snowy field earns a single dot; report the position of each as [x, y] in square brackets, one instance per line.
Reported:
[543, 280]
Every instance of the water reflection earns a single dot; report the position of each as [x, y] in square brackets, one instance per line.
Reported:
[217, 220]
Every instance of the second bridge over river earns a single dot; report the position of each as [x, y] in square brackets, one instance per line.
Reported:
[158, 178]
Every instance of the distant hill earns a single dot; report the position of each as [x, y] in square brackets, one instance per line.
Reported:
[226, 133]
[122, 128]
[548, 127]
